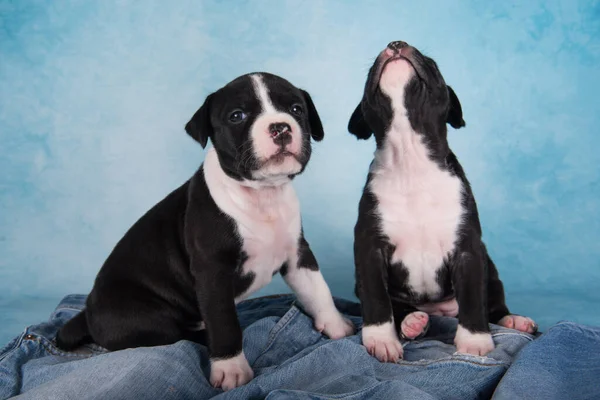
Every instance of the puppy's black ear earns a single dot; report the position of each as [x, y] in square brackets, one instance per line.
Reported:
[357, 124]
[199, 127]
[455, 116]
[316, 127]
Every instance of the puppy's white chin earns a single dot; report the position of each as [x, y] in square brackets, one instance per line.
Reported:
[263, 183]
[395, 76]
[277, 171]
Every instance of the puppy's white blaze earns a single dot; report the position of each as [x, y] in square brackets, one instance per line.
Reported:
[263, 94]
[473, 343]
[420, 205]
[264, 146]
[267, 221]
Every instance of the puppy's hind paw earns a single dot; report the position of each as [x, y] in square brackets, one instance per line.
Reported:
[414, 324]
[523, 324]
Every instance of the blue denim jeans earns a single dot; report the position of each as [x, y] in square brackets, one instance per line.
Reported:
[289, 358]
[564, 363]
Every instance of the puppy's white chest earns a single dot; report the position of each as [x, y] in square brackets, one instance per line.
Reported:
[267, 221]
[269, 239]
[420, 209]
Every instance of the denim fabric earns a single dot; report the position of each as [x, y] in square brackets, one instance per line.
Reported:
[564, 363]
[289, 358]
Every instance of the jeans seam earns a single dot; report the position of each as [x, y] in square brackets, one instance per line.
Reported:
[335, 396]
[279, 326]
[65, 308]
[452, 359]
[529, 338]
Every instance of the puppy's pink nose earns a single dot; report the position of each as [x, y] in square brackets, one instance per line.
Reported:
[389, 52]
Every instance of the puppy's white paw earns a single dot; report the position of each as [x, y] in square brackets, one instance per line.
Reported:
[523, 324]
[478, 344]
[414, 324]
[231, 372]
[335, 326]
[382, 342]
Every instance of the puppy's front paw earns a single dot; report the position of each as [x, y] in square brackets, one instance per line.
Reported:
[335, 326]
[382, 342]
[519, 323]
[231, 372]
[478, 344]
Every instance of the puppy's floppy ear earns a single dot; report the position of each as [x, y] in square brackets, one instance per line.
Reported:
[199, 127]
[357, 124]
[316, 127]
[455, 116]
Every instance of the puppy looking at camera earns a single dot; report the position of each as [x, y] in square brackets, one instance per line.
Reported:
[418, 246]
[219, 237]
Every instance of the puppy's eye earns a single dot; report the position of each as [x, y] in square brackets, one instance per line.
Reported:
[297, 109]
[237, 116]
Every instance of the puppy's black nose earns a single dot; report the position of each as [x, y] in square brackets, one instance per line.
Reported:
[279, 128]
[397, 45]
[281, 133]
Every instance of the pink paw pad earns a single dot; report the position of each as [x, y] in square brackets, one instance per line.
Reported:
[414, 324]
[519, 323]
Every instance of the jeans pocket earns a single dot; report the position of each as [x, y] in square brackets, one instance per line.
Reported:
[84, 351]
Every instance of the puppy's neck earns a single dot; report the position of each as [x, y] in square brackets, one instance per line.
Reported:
[266, 183]
[247, 194]
[403, 149]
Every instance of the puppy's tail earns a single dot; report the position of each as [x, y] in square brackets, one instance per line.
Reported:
[74, 333]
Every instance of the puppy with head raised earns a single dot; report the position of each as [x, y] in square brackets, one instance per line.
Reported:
[418, 247]
[182, 267]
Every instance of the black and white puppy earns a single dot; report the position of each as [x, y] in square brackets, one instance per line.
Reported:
[182, 267]
[418, 246]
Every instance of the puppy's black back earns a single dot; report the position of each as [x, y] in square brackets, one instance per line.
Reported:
[144, 293]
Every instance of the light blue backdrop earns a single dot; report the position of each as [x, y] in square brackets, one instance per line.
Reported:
[94, 97]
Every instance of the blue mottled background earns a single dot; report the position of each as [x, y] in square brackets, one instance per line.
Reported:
[94, 96]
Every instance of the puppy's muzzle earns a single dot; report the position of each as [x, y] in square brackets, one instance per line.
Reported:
[281, 133]
[396, 49]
